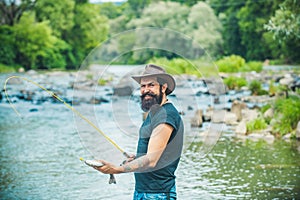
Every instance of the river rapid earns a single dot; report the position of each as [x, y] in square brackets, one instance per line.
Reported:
[40, 151]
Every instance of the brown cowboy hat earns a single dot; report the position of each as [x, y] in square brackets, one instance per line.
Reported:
[156, 71]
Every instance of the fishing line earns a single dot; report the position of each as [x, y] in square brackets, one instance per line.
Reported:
[55, 96]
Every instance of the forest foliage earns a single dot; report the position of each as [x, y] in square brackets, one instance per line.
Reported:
[49, 34]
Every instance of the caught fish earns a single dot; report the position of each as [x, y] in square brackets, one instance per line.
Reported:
[95, 163]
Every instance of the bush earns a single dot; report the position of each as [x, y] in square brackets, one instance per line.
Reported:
[256, 124]
[288, 113]
[231, 63]
[104, 81]
[278, 62]
[272, 89]
[235, 82]
[255, 87]
[176, 66]
[252, 66]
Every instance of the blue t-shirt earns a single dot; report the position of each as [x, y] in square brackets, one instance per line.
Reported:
[161, 178]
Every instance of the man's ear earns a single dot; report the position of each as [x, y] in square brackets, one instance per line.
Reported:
[164, 87]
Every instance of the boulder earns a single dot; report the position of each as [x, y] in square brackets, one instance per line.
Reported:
[287, 137]
[269, 138]
[31, 72]
[21, 70]
[230, 118]
[218, 116]
[249, 115]
[287, 80]
[215, 86]
[262, 135]
[124, 87]
[236, 108]
[196, 121]
[269, 113]
[95, 100]
[241, 128]
[207, 115]
[255, 136]
[222, 116]
[190, 108]
[273, 122]
[123, 90]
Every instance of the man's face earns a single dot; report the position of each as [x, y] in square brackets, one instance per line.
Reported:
[151, 93]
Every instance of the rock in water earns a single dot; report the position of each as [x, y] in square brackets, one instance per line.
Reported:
[196, 121]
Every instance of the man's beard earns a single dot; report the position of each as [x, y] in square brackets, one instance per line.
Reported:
[148, 103]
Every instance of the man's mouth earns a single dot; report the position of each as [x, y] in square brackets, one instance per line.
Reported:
[148, 96]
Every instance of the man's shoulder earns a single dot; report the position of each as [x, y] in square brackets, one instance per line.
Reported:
[169, 106]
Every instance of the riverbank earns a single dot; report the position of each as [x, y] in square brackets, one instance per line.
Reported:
[202, 100]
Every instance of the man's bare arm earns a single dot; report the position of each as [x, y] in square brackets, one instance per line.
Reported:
[157, 144]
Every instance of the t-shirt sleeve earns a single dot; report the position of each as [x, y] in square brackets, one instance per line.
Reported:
[165, 116]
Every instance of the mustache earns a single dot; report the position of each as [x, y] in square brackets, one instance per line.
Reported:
[149, 94]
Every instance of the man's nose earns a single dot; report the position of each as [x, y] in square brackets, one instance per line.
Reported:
[146, 89]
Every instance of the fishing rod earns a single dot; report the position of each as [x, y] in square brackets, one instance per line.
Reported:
[55, 96]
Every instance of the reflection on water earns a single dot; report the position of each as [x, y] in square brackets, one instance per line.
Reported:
[39, 159]
[251, 170]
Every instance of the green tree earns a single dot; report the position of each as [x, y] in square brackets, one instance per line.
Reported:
[227, 11]
[162, 15]
[60, 15]
[205, 28]
[136, 7]
[286, 21]
[159, 15]
[252, 18]
[284, 25]
[12, 10]
[34, 41]
[110, 10]
[7, 47]
[186, 2]
[89, 30]
[197, 22]
[118, 24]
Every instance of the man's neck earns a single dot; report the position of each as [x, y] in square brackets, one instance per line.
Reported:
[164, 100]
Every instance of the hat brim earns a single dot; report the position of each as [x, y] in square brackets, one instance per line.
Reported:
[168, 78]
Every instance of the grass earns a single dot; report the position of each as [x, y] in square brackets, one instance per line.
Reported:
[6, 69]
[256, 124]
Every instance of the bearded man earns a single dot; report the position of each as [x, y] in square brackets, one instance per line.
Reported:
[160, 139]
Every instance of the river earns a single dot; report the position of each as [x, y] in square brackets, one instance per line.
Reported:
[40, 153]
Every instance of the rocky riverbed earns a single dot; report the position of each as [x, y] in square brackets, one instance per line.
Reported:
[202, 101]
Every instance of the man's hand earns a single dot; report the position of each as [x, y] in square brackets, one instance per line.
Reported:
[129, 159]
[109, 168]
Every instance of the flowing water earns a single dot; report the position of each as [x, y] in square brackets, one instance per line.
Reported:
[39, 157]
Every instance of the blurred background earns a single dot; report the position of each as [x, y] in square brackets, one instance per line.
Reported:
[236, 65]
[59, 34]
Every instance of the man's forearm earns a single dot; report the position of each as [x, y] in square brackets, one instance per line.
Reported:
[138, 165]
